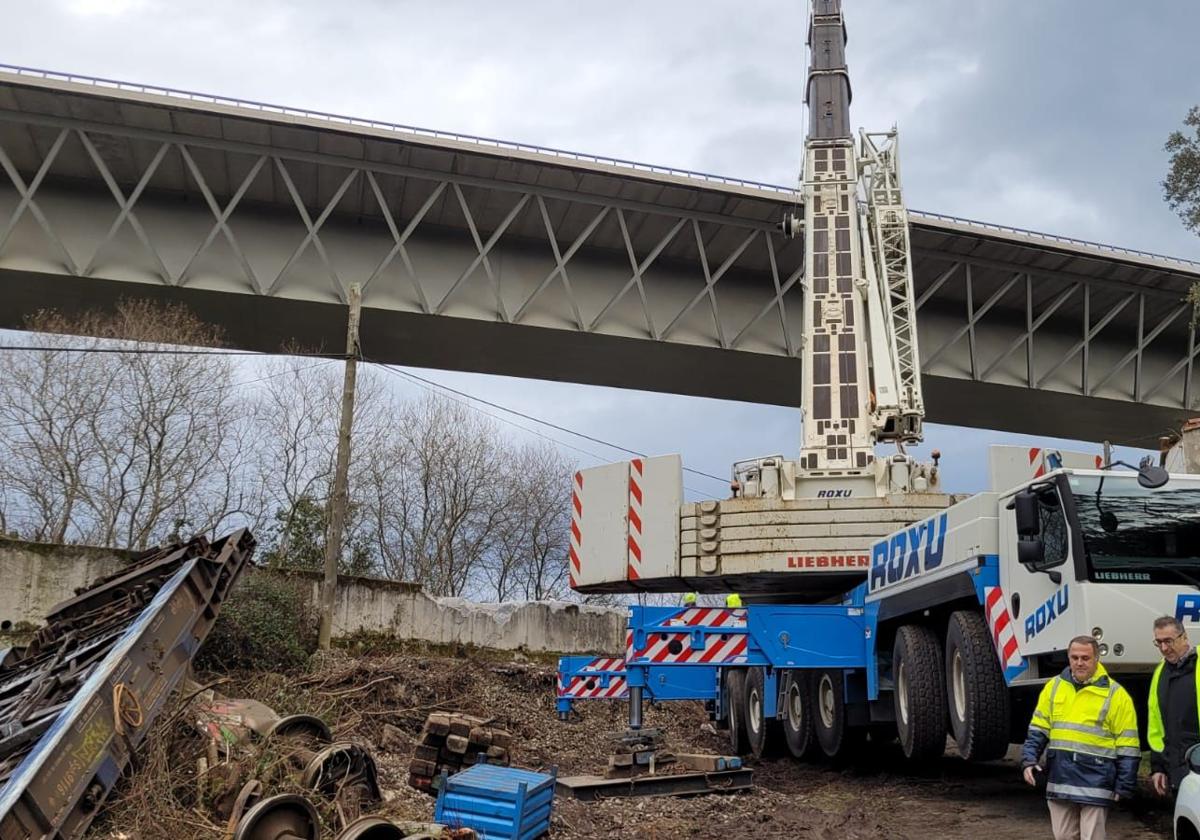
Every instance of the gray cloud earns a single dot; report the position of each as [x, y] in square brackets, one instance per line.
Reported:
[1048, 115]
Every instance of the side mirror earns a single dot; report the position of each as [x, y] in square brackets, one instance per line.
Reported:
[1149, 474]
[1025, 505]
[1152, 476]
[1031, 553]
[1192, 757]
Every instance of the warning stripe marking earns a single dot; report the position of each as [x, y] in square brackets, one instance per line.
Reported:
[718, 648]
[709, 617]
[1000, 623]
[634, 561]
[588, 681]
[576, 544]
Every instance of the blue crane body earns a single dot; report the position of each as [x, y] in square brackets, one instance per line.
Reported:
[961, 618]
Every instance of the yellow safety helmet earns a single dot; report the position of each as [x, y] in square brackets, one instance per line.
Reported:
[733, 600]
[689, 599]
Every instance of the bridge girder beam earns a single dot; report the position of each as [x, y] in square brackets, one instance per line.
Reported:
[585, 283]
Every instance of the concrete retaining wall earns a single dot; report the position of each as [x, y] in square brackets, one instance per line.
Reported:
[36, 577]
[410, 613]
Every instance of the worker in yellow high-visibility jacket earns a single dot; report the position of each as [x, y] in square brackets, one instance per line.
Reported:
[733, 600]
[1173, 706]
[1084, 736]
[689, 599]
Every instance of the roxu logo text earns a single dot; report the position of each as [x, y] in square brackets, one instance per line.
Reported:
[913, 551]
[1044, 616]
[1187, 607]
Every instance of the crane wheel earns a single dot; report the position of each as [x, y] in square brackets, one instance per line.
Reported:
[920, 692]
[763, 734]
[834, 736]
[734, 689]
[797, 715]
[976, 693]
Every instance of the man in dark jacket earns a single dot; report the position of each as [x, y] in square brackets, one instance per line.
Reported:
[1174, 723]
[1084, 735]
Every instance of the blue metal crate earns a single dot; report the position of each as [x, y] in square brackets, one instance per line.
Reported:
[500, 803]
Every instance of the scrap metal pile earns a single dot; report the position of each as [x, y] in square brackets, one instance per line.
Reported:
[77, 701]
[254, 753]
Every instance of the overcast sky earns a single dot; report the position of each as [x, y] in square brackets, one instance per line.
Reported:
[1049, 115]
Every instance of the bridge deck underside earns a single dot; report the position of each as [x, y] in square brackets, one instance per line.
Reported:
[511, 263]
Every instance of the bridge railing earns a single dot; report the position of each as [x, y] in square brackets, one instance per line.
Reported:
[1051, 237]
[390, 126]
[784, 192]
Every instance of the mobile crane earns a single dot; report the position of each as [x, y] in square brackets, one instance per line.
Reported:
[879, 606]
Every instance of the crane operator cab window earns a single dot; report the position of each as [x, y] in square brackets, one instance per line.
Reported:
[1115, 527]
[1134, 534]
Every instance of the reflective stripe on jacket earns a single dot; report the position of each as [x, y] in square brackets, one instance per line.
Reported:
[1090, 738]
[1155, 733]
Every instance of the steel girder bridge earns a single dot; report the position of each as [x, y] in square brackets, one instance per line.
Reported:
[481, 255]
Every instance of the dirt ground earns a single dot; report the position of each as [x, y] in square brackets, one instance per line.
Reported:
[879, 796]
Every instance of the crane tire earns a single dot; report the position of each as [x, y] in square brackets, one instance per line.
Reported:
[976, 694]
[734, 689]
[763, 734]
[797, 715]
[918, 677]
[834, 736]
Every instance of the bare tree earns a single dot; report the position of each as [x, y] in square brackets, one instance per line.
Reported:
[297, 432]
[130, 448]
[120, 448]
[530, 558]
[436, 499]
[452, 504]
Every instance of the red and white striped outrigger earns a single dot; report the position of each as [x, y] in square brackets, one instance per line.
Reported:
[704, 636]
[600, 679]
[681, 642]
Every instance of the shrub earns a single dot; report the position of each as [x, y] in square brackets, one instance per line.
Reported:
[268, 624]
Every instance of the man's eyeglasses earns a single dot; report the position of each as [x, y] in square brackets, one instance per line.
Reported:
[1167, 642]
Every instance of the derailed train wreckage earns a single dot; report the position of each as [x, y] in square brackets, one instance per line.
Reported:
[83, 696]
[76, 703]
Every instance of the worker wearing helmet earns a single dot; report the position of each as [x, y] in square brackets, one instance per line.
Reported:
[733, 600]
[689, 599]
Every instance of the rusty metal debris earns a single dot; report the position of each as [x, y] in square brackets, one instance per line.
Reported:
[78, 700]
[343, 773]
[378, 828]
[245, 734]
[230, 721]
[287, 816]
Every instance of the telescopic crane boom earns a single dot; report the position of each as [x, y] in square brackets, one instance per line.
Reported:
[797, 530]
[861, 376]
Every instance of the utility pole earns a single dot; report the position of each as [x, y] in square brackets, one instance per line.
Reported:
[338, 501]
